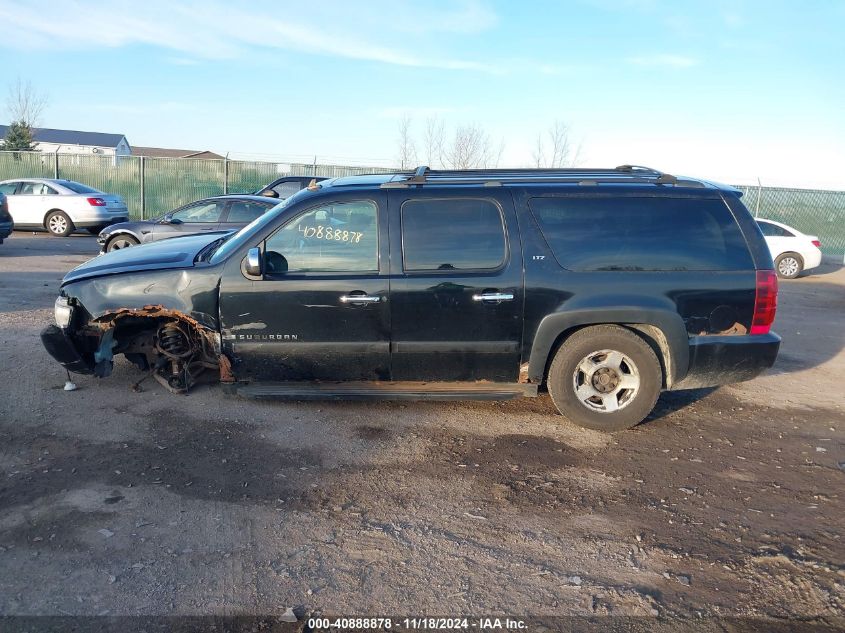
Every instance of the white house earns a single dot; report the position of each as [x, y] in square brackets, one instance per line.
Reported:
[75, 142]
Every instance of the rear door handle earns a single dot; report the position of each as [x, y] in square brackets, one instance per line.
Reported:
[359, 299]
[493, 296]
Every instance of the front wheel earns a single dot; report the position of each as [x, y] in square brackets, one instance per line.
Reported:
[605, 378]
[59, 224]
[119, 242]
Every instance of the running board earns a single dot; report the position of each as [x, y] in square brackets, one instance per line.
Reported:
[384, 390]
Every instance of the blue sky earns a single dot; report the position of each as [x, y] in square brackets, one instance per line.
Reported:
[726, 90]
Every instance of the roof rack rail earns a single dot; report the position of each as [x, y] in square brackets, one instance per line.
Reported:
[423, 175]
[419, 176]
[632, 168]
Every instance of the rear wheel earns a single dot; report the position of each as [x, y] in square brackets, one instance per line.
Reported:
[121, 241]
[789, 265]
[59, 224]
[605, 378]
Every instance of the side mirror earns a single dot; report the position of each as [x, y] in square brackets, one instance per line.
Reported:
[252, 266]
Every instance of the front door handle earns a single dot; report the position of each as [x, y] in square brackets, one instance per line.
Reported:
[493, 296]
[362, 299]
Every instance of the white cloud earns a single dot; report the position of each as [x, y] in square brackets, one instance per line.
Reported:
[218, 30]
[664, 60]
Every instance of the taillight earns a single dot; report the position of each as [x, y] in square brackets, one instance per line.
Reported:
[96, 202]
[765, 303]
[817, 243]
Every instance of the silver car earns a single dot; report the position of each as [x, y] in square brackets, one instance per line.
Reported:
[61, 206]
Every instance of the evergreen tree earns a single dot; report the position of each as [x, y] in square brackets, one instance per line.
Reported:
[18, 138]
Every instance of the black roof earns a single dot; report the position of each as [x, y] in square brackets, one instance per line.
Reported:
[71, 137]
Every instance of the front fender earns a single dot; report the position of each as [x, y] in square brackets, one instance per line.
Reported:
[192, 292]
[668, 321]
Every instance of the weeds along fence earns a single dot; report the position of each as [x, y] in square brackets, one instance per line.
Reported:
[153, 186]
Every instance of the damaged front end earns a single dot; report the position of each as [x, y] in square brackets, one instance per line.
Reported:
[176, 349]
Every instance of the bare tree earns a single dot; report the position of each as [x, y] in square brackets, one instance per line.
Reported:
[539, 153]
[471, 148]
[24, 104]
[559, 149]
[433, 141]
[407, 149]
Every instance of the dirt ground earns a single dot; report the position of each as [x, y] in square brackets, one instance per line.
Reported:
[726, 502]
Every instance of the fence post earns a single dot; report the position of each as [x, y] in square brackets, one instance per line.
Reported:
[56, 164]
[226, 174]
[314, 167]
[759, 193]
[143, 193]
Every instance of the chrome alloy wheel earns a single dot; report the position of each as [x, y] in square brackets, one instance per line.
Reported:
[120, 242]
[788, 267]
[606, 381]
[57, 224]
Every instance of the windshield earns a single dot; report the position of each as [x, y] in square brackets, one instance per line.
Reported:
[77, 187]
[232, 244]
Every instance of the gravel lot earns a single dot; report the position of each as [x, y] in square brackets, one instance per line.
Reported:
[726, 502]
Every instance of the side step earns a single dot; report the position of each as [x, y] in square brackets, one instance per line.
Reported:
[384, 390]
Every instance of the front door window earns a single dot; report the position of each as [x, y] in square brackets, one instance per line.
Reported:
[205, 212]
[339, 237]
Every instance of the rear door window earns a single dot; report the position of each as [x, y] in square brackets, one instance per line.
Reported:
[773, 230]
[8, 188]
[641, 233]
[30, 189]
[452, 234]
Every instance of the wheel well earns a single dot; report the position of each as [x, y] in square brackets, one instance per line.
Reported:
[119, 233]
[794, 254]
[651, 334]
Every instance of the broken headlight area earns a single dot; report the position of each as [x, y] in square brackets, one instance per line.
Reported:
[62, 311]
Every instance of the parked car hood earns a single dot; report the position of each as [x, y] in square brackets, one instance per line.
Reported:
[173, 253]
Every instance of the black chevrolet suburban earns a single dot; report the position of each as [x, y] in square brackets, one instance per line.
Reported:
[602, 286]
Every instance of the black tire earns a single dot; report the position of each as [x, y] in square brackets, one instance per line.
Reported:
[120, 241]
[789, 265]
[638, 364]
[59, 224]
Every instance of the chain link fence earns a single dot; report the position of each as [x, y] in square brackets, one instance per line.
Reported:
[153, 186]
[811, 211]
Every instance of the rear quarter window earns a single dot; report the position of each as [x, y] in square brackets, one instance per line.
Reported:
[641, 233]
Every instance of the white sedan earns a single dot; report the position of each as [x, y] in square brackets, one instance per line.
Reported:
[792, 251]
[61, 206]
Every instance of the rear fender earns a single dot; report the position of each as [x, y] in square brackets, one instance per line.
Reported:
[663, 327]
